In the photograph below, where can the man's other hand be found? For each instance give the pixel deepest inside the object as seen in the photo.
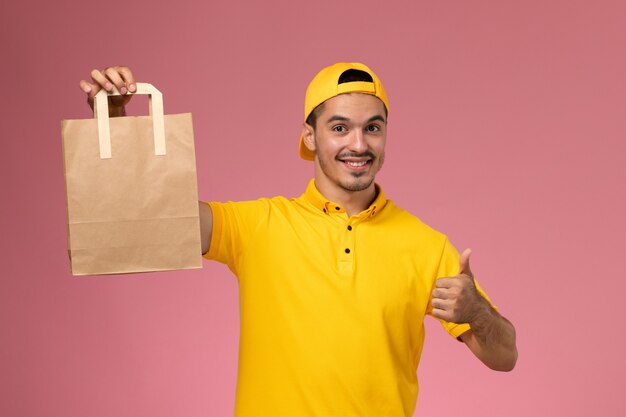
(456, 299)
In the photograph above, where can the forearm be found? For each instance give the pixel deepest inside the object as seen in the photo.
(492, 339)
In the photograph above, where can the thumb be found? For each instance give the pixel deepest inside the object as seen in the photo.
(464, 263)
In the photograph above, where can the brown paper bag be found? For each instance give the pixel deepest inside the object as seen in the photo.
(132, 202)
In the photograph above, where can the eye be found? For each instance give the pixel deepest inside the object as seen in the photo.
(373, 128)
(339, 128)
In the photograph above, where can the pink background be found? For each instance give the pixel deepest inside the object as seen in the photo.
(507, 132)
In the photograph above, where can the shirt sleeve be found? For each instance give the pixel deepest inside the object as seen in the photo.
(449, 267)
(234, 223)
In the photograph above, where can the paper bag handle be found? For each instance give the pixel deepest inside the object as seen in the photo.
(101, 113)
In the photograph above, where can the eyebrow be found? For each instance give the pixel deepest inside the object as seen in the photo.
(378, 117)
(340, 118)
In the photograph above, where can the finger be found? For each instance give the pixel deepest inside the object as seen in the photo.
(129, 79)
(444, 282)
(100, 79)
(90, 89)
(464, 263)
(86, 86)
(115, 77)
(441, 293)
(440, 304)
(441, 314)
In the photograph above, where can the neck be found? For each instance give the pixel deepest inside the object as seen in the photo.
(353, 202)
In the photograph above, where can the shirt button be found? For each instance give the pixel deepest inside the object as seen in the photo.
(324, 210)
(337, 208)
(349, 227)
(347, 250)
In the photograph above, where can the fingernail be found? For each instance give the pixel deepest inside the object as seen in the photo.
(87, 89)
(132, 88)
(108, 86)
(123, 90)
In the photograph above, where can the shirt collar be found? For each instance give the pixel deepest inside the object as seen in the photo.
(313, 196)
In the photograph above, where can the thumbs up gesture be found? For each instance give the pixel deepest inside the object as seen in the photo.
(455, 299)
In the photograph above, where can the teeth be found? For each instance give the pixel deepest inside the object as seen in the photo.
(356, 164)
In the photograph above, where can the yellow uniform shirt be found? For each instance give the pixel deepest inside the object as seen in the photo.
(332, 307)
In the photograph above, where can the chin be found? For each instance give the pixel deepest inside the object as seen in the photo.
(359, 185)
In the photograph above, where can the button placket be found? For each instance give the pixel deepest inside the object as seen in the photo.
(347, 249)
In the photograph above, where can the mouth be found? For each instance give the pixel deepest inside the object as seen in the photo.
(356, 163)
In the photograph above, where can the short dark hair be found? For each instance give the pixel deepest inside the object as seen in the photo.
(347, 76)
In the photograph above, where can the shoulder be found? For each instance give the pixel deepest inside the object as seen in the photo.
(263, 201)
(394, 216)
(257, 207)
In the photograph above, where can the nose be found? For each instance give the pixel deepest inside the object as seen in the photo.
(357, 142)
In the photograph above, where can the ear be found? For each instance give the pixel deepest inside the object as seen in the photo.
(308, 136)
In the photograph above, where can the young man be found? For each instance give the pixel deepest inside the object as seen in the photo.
(335, 284)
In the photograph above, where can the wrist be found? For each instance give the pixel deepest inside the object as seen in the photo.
(483, 315)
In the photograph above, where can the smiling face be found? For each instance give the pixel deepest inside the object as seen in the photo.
(349, 144)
